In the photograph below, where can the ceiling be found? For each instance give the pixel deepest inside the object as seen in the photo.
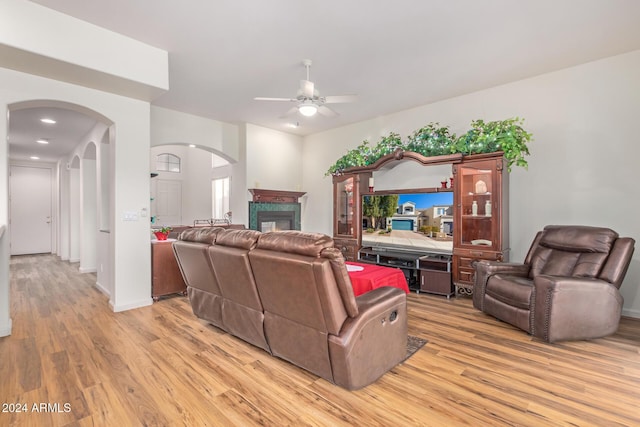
(25, 129)
(393, 55)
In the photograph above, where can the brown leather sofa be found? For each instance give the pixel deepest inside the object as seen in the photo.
(289, 293)
(567, 287)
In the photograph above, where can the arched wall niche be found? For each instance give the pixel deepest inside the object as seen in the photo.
(90, 151)
(75, 162)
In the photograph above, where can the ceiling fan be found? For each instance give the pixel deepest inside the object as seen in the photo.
(308, 99)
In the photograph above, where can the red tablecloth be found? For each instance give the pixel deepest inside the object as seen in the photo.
(375, 276)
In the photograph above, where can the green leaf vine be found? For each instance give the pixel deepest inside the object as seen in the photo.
(435, 140)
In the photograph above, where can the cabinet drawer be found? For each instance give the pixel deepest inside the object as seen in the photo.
(464, 262)
(465, 275)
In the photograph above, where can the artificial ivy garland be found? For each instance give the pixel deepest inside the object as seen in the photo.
(435, 140)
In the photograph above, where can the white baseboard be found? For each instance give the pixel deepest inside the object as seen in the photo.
(130, 306)
(87, 270)
(74, 260)
(5, 328)
(631, 313)
(103, 289)
(64, 258)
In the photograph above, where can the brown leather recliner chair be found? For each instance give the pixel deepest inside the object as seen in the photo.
(567, 287)
(202, 285)
(242, 312)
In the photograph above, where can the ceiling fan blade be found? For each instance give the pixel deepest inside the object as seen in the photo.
(326, 111)
(292, 110)
(340, 99)
(259, 98)
(307, 88)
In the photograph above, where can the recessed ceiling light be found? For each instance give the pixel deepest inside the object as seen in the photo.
(42, 141)
(34, 158)
(48, 121)
(192, 145)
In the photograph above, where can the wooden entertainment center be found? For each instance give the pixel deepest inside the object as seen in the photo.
(480, 220)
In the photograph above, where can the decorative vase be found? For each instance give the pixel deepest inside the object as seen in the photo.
(443, 184)
(474, 208)
(481, 187)
(487, 208)
(160, 235)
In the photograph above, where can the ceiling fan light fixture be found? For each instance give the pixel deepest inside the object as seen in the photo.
(308, 109)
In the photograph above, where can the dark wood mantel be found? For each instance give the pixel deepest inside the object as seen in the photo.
(275, 196)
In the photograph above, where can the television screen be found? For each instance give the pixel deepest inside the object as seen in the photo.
(417, 220)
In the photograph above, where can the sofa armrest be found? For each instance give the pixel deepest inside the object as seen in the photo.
(372, 342)
(570, 308)
(486, 269)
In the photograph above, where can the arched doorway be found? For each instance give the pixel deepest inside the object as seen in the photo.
(69, 139)
(190, 184)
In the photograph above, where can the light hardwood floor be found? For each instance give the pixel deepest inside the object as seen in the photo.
(159, 365)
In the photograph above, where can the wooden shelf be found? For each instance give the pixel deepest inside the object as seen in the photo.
(276, 196)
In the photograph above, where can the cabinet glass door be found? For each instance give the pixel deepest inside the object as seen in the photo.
(344, 207)
(477, 206)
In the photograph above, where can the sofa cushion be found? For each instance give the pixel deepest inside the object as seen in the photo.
(555, 262)
(241, 239)
(295, 242)
(200, 235)
(578, 238)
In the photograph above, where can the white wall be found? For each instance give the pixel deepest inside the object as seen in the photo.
(238, 191)
(74, 214)
(196, 190)
(104, 183)
(103, 255)
(63, 223)
(173, 127)
(583, 159)
(273, 159)
(410, 174)
(88, 215)
(272, 163)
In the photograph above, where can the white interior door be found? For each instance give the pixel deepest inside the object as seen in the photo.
(169, 202)
(30, 210)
